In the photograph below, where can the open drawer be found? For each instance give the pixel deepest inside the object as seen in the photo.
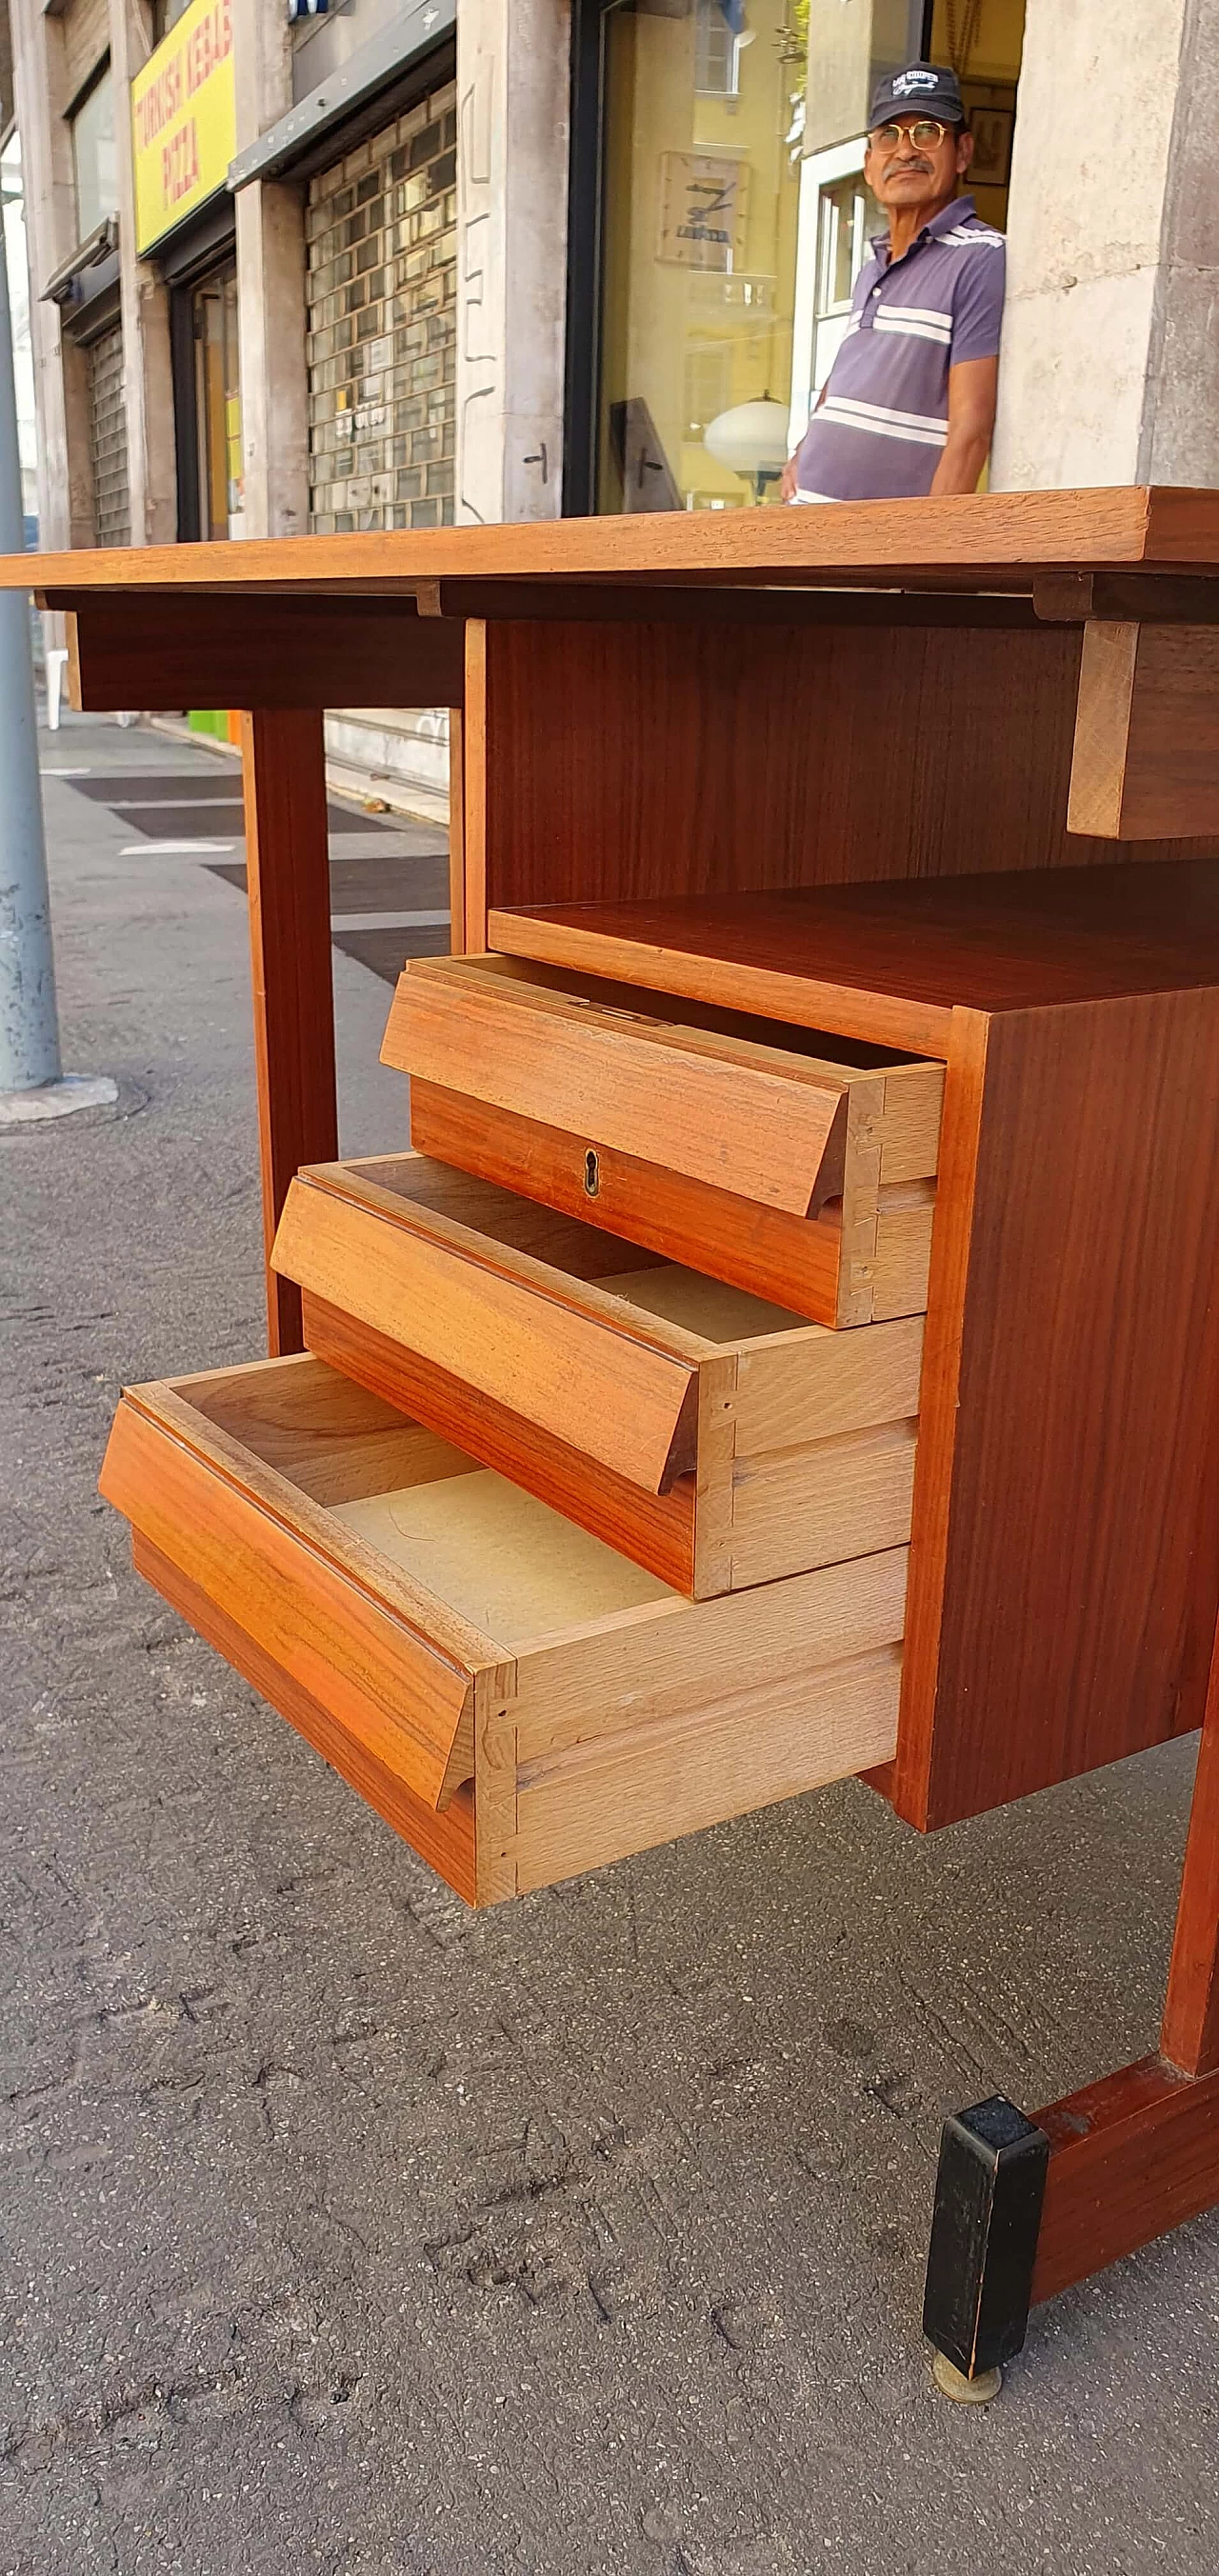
(798, 1167)
(718, 1440)
(517, 1700)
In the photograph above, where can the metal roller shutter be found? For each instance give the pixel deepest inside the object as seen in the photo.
(382, 319)
(108, 427)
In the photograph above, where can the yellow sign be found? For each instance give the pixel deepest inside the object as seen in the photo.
(184, 120)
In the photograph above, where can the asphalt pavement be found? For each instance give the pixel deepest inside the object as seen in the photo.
(343, 2230)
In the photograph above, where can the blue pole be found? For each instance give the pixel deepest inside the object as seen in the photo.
(29, 1024)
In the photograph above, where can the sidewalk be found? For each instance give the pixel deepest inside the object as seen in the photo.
(371, 787)
(347, 2232)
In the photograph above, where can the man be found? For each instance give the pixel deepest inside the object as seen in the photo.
(909, 403)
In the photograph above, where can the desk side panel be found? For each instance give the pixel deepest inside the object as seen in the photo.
(1065, 1557)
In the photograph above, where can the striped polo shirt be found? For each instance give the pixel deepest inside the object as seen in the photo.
(878, 432)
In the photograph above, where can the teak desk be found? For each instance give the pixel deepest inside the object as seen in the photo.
(817, 1207)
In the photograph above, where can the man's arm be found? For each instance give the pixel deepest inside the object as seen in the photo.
(788, 481)
(972, 394)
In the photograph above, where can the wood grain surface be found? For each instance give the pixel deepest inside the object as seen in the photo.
(894, 961)
(595, 1802)
(285, 653)
(571, 1358)
(317, 1428)
(638, 762)
(1065, 1553)
(288, 885)
(1146, 759)
(1190, 2033)
(795, 1261)
(657, 1530)
(974, 536)
(685, 1656)
(816, 1459)
(762, 1122)
(1176, 599)
(254, 1546)
(1130, 2157)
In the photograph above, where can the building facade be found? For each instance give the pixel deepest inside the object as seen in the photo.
(348, 264)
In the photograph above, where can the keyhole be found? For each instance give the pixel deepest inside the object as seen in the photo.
(592, 1174)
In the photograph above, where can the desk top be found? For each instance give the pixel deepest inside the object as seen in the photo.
(983, 541)
(893, 960)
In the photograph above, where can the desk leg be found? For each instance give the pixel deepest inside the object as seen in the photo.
(1110, 2167)
(288, 877)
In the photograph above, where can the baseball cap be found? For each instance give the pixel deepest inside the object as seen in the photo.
(928, 87)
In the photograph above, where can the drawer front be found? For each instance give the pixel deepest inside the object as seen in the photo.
(656, 1530)
(634, 1717)
(792, 1446)
(545, 1346)
(758, 1121)
(386, 1667)
(444, 1838)
(800, 1466)
(879, 1269)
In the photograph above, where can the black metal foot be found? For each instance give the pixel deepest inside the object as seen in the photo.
(984, 2228)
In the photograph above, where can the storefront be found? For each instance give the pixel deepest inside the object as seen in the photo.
(200, 269)
(184, 137)
(719, 219)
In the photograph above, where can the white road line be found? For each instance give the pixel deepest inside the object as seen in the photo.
(174, 849)
(390, 920)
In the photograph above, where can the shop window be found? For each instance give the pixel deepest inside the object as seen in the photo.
(218, 405)
(701, 206)
(94, 164)
(720, 218)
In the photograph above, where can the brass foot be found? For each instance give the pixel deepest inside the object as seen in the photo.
(952, 2382)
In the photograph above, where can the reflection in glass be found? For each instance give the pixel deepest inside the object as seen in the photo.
(218, 406)
(93, 157)
(702, 189)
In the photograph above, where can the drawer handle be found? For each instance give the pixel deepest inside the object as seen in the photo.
(592, 1174)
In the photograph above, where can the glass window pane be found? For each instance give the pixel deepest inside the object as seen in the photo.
(702, 200)
(93, 157)
(218, 405)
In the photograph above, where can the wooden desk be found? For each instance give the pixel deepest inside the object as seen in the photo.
(925, 786)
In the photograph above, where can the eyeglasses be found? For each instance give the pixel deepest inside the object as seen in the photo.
(926, 135)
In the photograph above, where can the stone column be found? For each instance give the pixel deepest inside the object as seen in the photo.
(513, 77)
(147, 373)
(849, 42)
(270, 289)
(1110, 365)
